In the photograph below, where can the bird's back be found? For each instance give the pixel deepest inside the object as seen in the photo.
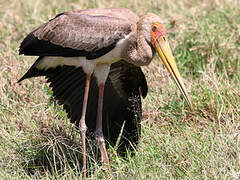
(122, 13)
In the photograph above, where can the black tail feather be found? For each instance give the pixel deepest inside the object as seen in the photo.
(33, 71)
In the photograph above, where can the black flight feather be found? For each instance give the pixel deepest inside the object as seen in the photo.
(122, 98)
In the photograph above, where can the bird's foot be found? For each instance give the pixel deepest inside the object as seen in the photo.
(102, 147)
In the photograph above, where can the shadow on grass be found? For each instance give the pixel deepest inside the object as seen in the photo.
(56, 151)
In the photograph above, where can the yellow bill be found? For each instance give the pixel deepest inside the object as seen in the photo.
(165, 53)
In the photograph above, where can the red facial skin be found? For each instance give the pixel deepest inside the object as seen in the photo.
(157, 30)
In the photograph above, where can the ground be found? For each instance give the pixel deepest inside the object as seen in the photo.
(37, 141)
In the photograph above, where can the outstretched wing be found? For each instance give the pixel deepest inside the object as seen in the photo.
(122, 98)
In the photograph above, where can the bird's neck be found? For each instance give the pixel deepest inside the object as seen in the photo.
(140, 52)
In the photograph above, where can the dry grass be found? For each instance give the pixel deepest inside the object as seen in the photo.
(37, 141)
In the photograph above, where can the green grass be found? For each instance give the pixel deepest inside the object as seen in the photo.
(37, 141)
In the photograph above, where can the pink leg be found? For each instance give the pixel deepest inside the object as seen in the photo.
(98, 130)
(83, 127)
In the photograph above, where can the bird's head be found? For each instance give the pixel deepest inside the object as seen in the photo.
(155, 34)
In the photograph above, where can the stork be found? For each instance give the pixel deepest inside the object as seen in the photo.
(83, 51)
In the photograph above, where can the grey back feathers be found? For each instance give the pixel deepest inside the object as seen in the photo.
(85, 30)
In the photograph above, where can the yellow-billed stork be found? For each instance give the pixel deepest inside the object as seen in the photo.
(100, 49)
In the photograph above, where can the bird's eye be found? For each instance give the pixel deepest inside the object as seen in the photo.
(154, 28)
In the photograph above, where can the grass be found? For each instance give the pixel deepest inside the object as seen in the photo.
(38, 142)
